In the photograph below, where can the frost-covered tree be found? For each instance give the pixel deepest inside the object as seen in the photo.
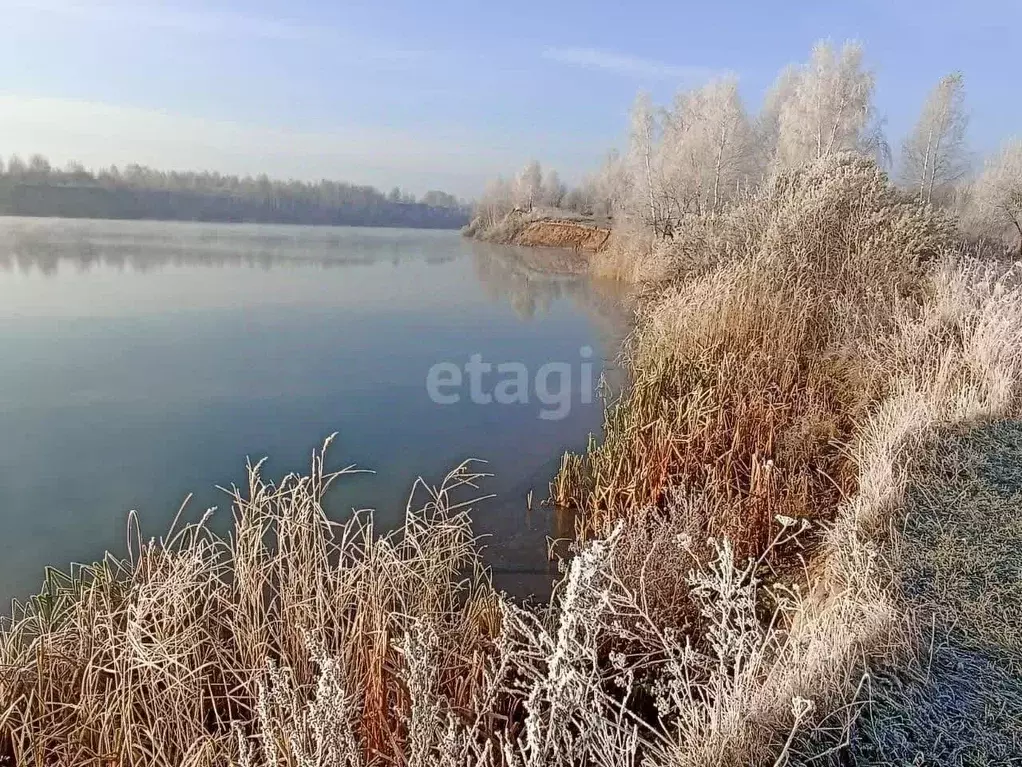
(611, 185)
(528, 187)
(643, 164)
(768, 122)
(707, 148)
(689, 159)
(498, 198)
(553, 190)
(997, 195)
(825, 107)
(934, 155)
(603, 192)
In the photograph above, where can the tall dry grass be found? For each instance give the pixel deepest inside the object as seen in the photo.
(298, 641)
(157, 659)
(793, 369)
(745, 381)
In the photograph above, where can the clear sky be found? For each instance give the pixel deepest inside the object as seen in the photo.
(444, 94)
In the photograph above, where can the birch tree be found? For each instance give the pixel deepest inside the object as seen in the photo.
(610, 187)
(528, 185)
(934, 154)
(828, 107)
(497, 200)
(768, 122)
(643, 138)
(707, 147)
(997, 196)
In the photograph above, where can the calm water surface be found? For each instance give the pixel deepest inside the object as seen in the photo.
(140, 362)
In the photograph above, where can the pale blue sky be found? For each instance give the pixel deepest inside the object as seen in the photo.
(443, 94)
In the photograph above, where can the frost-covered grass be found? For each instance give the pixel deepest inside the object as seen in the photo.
(959, 701)
(747, 376)
(746, 592)
(196, 639)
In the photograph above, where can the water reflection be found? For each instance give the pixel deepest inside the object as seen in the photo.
(140, 362)
(507, 275)
(47, 245)
(530, 280)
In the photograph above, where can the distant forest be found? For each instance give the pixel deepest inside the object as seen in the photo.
(36, 188)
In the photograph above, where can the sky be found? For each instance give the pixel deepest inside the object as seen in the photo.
(444, 95)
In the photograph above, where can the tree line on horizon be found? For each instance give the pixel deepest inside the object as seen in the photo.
(706, 150)
(37, 188)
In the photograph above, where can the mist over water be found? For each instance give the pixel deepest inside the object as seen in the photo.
(143, 361)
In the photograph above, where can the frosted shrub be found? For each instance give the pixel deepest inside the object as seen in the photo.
(309, 733)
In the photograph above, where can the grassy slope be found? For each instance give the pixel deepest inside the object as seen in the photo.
(960, 701)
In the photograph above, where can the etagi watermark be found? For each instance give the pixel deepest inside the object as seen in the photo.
(510, 383)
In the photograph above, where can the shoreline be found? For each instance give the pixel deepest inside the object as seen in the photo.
(544, 229)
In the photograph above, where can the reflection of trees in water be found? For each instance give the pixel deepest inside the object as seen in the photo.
(505, 277)
(45, 246)
(531, 280)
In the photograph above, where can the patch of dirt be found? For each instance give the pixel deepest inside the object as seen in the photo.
(586, 238)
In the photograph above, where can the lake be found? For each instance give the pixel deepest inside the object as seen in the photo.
(143, 361)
